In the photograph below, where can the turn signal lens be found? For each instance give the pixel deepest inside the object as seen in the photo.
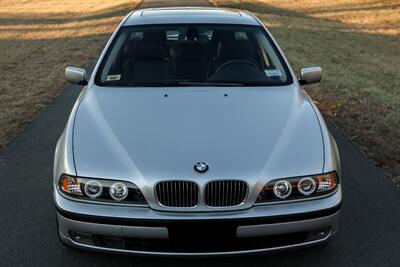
(326, 182)
(71, 185)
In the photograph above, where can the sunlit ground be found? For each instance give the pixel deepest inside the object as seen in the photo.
(370, 16)
(38, 39)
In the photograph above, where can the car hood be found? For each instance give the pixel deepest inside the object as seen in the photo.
(144, 134)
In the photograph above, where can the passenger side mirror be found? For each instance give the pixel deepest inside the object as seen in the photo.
(310, 75)
(76, 75)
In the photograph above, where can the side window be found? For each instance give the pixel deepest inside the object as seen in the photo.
(107, 71)
(273, 66)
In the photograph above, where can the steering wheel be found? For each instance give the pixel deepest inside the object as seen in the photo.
(236, 61)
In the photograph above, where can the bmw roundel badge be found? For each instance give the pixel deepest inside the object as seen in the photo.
(201, 167)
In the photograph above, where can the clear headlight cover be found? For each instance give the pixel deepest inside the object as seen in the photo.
(110, 191)
(298, 188)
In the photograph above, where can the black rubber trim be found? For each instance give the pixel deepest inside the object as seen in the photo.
(165, 223)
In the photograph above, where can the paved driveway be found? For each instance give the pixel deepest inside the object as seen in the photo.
(369, 232)
(166, 3)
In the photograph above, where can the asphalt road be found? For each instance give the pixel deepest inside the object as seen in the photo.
(369, 233)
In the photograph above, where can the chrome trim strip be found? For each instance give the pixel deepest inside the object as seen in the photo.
(288, 227)
(67, 225)
(227, 253)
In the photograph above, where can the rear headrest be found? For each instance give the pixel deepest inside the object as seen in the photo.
(223, 36)
(147, 47)
(129, 49)
(188, 50)
(154, 36)
(237, 49)
(147, 50)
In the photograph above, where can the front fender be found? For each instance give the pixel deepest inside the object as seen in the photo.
(64, 153)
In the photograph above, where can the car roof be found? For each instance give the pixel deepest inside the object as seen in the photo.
(178, 15)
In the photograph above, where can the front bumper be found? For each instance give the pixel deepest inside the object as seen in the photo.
(140, 230)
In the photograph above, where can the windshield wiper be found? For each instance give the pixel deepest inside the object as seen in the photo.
(141, 84)
(246, 83)
(172, 83)
(200, 83)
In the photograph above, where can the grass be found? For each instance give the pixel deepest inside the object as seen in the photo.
(357, 44)
(38, 39)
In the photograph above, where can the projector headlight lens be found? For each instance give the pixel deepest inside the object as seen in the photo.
(282, 189)
(298, 188)
(118, 191)
(306, 186)
(93, 189)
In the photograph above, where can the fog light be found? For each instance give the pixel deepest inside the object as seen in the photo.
(118, 191)
(82, 238)
(318, 234)
(93, 189)
(282, 189)
(306, 186)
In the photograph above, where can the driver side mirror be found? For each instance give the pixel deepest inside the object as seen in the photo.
(310, 75)
(76, 75)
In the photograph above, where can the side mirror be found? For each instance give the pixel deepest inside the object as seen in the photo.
(310, 75)
(76, 75)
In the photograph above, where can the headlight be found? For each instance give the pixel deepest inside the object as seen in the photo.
(306, 186)
(101, 190)
(282, 189)
(118, 191)
(93, 189)
(298, 188)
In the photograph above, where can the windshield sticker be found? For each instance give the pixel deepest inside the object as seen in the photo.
(114, 77)
(273, 73)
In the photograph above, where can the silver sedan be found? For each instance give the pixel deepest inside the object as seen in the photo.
(193, 136)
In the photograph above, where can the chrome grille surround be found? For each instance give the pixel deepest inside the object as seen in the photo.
(225, 193)
(177, 193)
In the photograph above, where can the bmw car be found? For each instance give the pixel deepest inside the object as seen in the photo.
(193, 136)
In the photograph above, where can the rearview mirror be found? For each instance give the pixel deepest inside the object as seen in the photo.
(76, 75)
(310, 75)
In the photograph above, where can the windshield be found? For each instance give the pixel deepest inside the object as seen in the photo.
(199, 54)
